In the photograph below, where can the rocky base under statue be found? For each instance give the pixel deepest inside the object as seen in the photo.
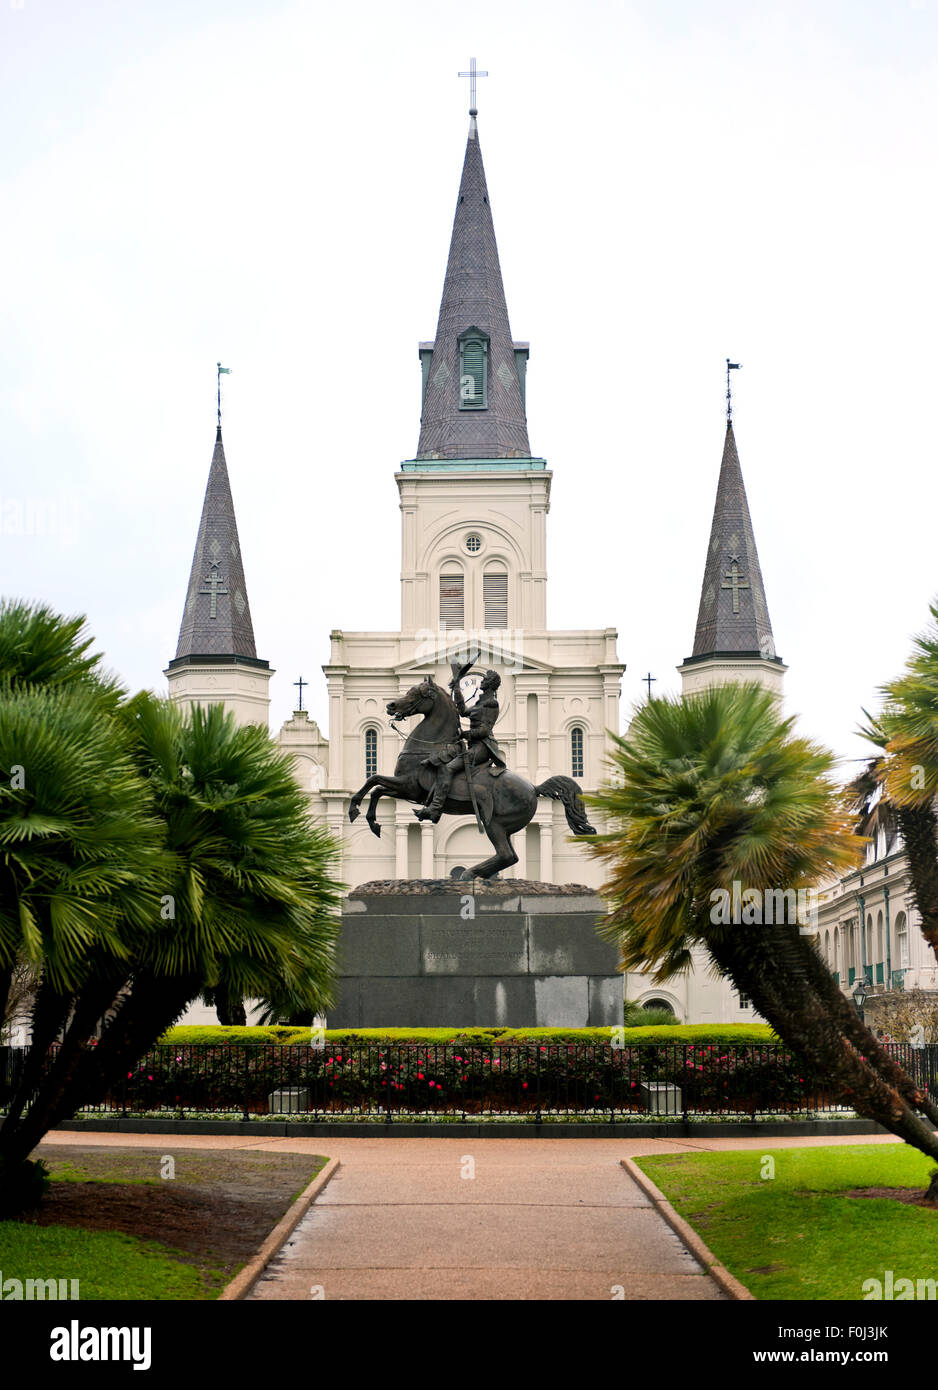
(442, 953)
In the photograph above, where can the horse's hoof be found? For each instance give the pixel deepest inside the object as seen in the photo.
(353, 813)
(375, 828)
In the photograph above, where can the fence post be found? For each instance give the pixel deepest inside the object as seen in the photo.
(387, 1087)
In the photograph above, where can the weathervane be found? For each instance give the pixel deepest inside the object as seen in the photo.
(472, 75)
(730, 367)
(227, 371)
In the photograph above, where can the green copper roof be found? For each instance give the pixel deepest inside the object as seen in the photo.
(526, 465)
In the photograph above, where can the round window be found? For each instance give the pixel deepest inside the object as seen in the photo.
(473, 543)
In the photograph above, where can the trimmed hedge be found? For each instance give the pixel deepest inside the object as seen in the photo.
(725, 1034)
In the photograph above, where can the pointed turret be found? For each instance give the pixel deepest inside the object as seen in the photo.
(216, 620)
(733, 640)
(473, 373)
(216, 660)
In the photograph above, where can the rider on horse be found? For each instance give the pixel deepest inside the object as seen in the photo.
(482, 747)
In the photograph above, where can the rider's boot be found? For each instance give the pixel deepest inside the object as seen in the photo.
(434, 810)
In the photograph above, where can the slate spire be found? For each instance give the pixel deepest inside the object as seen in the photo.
(733, 618)
(216, 620)
(473, 298)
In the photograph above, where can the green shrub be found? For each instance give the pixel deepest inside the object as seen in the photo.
(23, 1184)
(726, 1033)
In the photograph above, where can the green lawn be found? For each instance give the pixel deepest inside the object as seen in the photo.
(233, 1201)
(798, 1235)
(107, 1265)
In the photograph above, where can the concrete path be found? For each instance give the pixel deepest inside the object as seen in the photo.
(478, 1218)
(483, 1219)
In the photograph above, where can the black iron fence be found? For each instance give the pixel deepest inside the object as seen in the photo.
(467, 1081)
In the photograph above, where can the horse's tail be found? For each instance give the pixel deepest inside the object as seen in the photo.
(564, 789)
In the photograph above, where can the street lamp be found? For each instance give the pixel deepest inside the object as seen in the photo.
(859, 996)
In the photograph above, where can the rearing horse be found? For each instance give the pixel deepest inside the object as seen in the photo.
(506, 803)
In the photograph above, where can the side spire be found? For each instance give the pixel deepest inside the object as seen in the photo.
(216, 620)
(733, 639)
(473, 398)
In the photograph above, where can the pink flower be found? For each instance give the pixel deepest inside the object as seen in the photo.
(420, 1076)
(524, 1085)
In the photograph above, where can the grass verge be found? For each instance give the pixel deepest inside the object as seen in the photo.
(799, 1234)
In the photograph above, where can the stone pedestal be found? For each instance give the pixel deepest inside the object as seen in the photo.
(440, 953)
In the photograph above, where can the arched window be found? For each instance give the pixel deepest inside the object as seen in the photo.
(452, 600)
(495, 599)
(902, 942)
(576, 752)
(371, 752)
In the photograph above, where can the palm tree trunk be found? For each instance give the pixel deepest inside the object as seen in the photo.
(87, 1073)
(776, 971)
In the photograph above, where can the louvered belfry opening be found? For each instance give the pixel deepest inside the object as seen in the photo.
(495, 599)
(452, 600)
(472, 377)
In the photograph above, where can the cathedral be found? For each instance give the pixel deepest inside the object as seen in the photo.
(473, 502)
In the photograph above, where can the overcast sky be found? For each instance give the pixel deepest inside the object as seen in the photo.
(273, 184)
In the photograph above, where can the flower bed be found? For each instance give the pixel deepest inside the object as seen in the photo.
(470, 1079)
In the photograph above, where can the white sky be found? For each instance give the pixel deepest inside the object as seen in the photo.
(273, 184)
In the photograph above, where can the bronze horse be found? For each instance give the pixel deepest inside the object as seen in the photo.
(506, 802)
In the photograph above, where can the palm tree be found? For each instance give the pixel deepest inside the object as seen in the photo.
(145, 857)
(717, 789)
(899, 787)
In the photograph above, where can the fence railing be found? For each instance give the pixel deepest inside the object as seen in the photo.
(540, 1081)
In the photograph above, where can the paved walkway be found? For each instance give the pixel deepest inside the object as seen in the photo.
(478, 1218)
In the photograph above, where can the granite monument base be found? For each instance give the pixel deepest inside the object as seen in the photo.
(423, 953)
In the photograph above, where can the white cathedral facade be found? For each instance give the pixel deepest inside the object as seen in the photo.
(474, 503)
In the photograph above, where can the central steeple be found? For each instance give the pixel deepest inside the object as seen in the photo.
(473, 373)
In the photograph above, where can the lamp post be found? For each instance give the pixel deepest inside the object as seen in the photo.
(859, 996)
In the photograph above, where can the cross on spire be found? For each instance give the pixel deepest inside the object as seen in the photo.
(647, 680)
(300, 683)
(734, 581)
(472, 74)
(213, 580)
(730, 367)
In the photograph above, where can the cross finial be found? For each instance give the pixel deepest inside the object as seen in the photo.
(647, 680)
(472, 74)
(730, 367)
(300, 683)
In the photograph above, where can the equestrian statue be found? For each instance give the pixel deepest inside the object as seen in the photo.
(456, 772)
